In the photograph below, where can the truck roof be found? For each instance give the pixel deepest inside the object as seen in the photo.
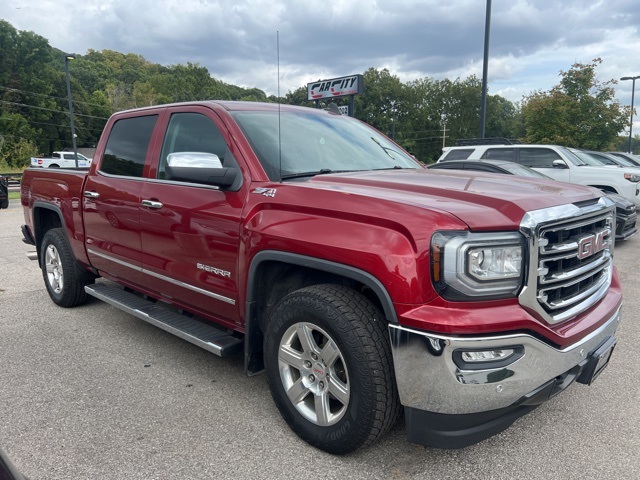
(232, 105)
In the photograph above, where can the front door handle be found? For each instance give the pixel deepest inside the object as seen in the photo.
(89, 194)
(151, 204)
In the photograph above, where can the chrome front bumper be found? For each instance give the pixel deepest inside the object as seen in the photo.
(429, 380)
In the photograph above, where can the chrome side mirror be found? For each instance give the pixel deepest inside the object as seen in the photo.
(201, 167)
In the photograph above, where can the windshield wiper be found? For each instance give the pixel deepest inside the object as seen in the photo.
(395, 167)
(323, 171)
(386, 149)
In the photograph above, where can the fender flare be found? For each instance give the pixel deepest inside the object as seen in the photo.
(37, 227)
(326, 266)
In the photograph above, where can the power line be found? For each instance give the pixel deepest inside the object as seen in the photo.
(51, 110)
(29, 139)
(59, 125)
(423, 131)
(50, 96)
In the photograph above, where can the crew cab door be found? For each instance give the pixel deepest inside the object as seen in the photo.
(111, 199)
(190, 232)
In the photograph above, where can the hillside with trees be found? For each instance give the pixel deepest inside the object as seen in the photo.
(421, 115)
(34, 113)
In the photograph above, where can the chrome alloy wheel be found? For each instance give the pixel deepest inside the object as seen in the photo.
(53, 265)
(314, 374)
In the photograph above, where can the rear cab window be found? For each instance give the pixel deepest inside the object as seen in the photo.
(126, 149)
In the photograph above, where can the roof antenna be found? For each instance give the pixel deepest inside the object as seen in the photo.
(279, 134)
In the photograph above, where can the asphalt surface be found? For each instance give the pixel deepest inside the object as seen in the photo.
(93, 393)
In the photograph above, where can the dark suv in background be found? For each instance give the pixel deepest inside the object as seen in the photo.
(4, 192)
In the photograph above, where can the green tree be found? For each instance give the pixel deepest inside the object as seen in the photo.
(504, 118)
(622, 144)
(297, 97)
(580, 111)
(16, 144)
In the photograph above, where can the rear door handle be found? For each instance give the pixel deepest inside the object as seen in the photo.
(89, 194)
(151, 204)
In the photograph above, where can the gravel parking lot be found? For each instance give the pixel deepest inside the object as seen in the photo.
(92, 393)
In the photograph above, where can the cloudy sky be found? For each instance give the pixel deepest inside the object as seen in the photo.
(531, 40)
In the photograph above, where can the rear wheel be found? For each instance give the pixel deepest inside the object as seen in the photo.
(329, 368)
(64, 280)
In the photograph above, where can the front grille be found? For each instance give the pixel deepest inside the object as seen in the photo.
(570, 259)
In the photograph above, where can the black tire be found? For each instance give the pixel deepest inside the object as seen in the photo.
(54, 165)
(64, 280)
(345, 400)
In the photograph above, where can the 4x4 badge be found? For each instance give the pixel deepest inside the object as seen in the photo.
(267, 192)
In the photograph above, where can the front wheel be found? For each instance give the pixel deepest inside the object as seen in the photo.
(64, 280)
(329, 368)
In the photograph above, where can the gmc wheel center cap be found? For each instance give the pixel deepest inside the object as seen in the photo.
(319, 370)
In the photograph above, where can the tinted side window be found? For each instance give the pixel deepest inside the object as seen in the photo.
(127, 146)
(461, 154)
(191, 132)
(501, 154)
(538, 157)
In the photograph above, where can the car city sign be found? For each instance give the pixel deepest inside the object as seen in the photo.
(335, 87)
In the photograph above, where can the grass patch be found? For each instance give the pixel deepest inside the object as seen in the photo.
(14, 195)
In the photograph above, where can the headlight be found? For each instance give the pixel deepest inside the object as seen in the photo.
(482, 266)
(632, 177)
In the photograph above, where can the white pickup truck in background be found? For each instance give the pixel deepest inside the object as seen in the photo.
(61, 160)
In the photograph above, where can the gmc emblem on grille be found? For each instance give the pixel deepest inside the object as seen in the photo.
(591, 245)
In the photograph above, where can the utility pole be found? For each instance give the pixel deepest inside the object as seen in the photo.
(633, 92)
(67, 59)
(485, 68)
(444, 134)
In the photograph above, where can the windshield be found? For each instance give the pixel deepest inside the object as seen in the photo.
(571, 155)
(605, 159)
(634, 160)
(588, 159)
(308, 143)
(624, 161)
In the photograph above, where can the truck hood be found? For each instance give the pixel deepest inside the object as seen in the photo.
(481, 200)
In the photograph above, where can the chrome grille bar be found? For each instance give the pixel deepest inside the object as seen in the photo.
(571, 258)
(567, 275)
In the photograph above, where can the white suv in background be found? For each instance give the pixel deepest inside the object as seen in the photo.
(556, 162)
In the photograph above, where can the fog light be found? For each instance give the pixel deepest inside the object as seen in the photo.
(487, 356)
(487, 359)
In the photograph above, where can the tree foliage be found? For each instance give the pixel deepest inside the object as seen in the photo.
(622, 144)
(34, 112)
(580, 111)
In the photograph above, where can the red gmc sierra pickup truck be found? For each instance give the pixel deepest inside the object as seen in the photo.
(360, 282)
